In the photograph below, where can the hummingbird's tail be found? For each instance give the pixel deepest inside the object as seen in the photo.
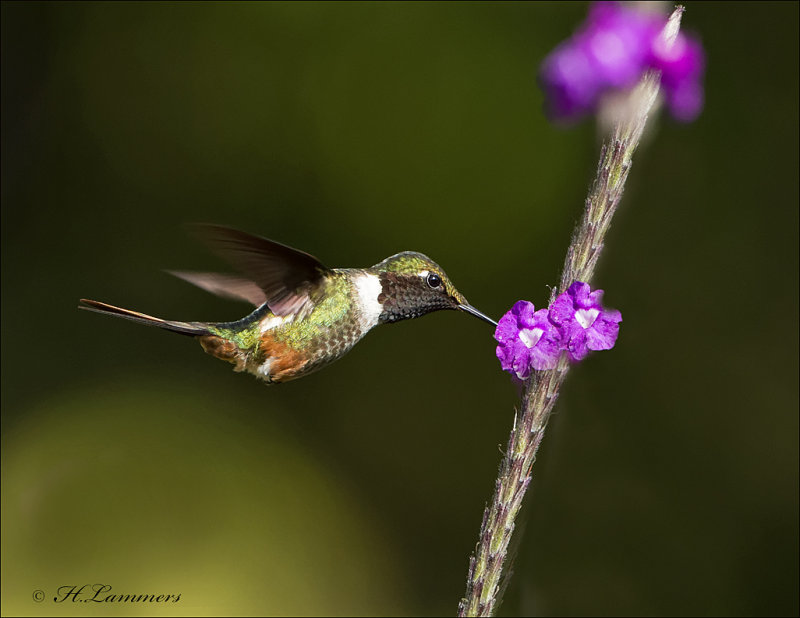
(193, 329)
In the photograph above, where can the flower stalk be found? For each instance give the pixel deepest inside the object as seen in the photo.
(541, 389)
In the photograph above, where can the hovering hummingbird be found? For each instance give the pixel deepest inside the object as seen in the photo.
(307, 315)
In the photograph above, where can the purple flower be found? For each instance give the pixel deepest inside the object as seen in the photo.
(610, 52)
(618, 41)
(527, 340)
(583, 322)
(575, 323)
(682, 68)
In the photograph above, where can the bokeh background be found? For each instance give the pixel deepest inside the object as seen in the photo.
(668, 479)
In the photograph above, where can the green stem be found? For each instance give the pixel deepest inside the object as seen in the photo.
(542, 388)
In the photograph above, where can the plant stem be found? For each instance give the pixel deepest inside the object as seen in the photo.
(542, 388)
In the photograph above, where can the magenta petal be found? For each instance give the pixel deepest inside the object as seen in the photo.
(540, 319)
(505, 356)
(604, 331)
(506, 328)
(570, 82)
(520, 306)
(618, 42)
(541, 360)
(682, 66)
(577, 348)
(521, 363)
(578, 288)
(582, 294)
(545, 354)
(526, 314)
(683, 60)
(603, 12)
(594, 300)
(562, 311)
(685, 102)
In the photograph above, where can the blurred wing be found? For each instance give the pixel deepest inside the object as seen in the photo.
(289, 278)
(226, 286)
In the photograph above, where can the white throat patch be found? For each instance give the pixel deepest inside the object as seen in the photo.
(368, 287)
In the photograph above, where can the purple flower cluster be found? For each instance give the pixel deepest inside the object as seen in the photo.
(575, 323)
(610, 52)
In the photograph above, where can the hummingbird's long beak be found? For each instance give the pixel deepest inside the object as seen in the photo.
(473, 311)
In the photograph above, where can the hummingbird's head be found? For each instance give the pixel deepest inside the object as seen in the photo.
(412, 285)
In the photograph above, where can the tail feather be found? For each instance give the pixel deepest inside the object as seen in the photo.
(193, 329)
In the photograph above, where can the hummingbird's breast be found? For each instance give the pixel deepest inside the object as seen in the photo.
(289, 347)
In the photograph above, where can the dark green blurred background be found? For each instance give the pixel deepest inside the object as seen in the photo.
(668, 481)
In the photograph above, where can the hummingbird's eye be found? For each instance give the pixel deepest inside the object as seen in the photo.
(434, 280)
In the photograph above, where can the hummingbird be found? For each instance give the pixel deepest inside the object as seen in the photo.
(306, 315)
